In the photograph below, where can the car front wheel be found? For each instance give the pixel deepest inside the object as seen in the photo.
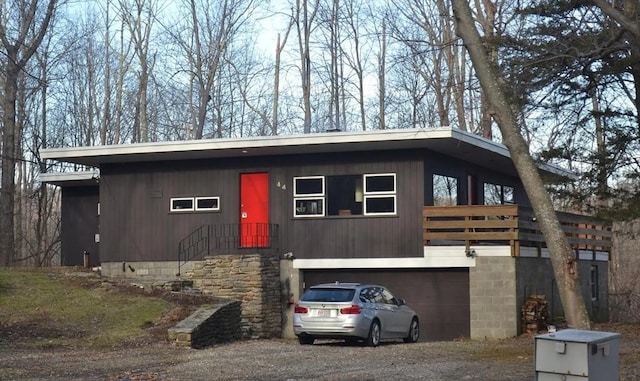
(414, 331)
(373, 340)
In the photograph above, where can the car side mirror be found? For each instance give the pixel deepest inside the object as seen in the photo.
(401, 302)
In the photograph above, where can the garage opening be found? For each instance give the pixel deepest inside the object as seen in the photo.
(440, 297)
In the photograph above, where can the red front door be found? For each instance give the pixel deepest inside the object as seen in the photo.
(254, 210)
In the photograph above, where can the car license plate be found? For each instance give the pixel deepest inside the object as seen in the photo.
(323, 313)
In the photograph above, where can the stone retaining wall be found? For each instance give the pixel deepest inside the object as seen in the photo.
(207, 326)
(253, 279)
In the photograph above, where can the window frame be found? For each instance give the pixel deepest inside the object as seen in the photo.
(322, 197)
(213, 209)
(181, 210)
(377, 194)
(309, 197)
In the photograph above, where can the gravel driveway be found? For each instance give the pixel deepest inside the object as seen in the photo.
(285, 359)
(274, 360)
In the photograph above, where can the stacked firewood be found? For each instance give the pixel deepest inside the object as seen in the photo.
(535, 315)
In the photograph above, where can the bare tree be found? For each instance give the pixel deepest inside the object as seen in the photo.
(562, 258)
(335, 77)
(204, 36)
(254, 93)
(42, 220)
(304, 16)
(139, 16)
(382, 65)
(21, 32)
(356, 57)
(276, 78)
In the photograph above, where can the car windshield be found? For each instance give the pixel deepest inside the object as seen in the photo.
(328, 295)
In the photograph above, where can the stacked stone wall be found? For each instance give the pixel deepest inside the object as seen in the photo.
(254, 280)
(207, 326)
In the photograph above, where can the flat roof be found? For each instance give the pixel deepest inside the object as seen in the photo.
(79, 178)
(446, 140)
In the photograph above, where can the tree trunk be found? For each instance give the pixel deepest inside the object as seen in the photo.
(7, 185)
(276, 89)
(17, 53)
(304, 34)
(564, 261)
(382, 59)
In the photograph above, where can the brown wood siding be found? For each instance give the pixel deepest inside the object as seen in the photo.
(137, 224)
(360, 236)
(79, 225)
(440, 297)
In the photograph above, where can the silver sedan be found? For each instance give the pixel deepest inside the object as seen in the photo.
(354, 312)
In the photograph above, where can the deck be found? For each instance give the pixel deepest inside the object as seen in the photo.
(512, 225)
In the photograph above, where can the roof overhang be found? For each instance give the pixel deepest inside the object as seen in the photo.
(71, 179)
(445, 140)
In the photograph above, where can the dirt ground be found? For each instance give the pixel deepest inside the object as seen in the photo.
(152, 358)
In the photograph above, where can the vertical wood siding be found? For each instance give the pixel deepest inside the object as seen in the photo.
(79, 225)
(137, 225)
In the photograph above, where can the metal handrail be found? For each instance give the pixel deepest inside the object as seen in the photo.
(220, 239)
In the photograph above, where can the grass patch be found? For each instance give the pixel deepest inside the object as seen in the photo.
(46, 310)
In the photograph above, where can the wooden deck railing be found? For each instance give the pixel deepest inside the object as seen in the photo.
(512, 225)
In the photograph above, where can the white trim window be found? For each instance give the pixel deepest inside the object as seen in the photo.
(204, 204)
(308, 196)
(182, 204)
(380, 194)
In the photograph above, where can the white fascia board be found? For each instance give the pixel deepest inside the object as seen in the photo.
(280, 144)
(52, 177)
(247, 143)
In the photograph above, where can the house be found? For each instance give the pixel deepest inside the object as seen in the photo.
(438, 215)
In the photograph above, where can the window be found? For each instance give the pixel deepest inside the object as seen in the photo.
(445, 190)
(380, 194)
(508, 195)
(207, 203)
(595, 284)
(308, 196)
(372, 295)
(328, 295)
(183, 204)
(389, 298)
(344, 195)
(495, 194)
(190, 204)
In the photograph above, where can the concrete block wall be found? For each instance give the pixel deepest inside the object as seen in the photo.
(253, 279)
(536, 276)
(147, 269)
(492, 291)
(290, 283)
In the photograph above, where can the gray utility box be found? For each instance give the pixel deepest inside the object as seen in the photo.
(577, 355)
